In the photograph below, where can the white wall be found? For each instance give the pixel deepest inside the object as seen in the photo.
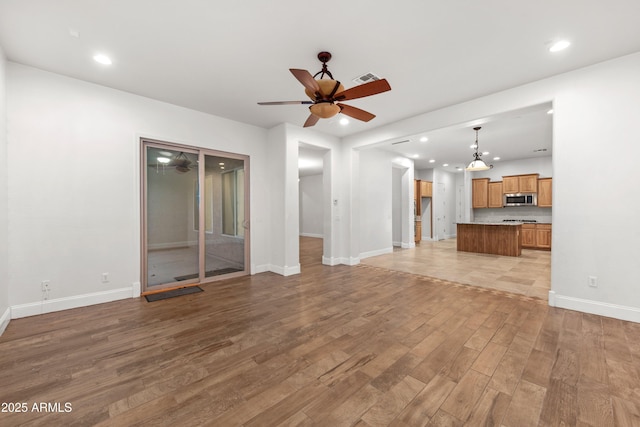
(595, 119)
(539, 165)
(311, 206)
(5, 312)
(396, 206)
(444, 205)
(375, 202)
(74, 184)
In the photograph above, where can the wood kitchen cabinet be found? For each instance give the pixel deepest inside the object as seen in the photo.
(480, 193)
(416, 197)
(426, 189)
(520, 184)
(495, 194)
(536, 236)
(543, 236)
(544, 192)
(529, 236)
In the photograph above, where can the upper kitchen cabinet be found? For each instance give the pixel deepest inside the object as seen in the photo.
(495, 194)
(544, 192)
(480, 192)
(426, 189)
(520, 184)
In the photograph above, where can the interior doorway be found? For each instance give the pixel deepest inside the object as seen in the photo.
(194, 215)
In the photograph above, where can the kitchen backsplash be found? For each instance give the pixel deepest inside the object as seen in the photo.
(515, 212)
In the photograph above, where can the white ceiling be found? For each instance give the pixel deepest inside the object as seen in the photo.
(224, 57)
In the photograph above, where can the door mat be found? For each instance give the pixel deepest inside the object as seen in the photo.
(207, 274)
(174, 293)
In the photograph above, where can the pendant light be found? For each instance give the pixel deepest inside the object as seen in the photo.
(477, 164)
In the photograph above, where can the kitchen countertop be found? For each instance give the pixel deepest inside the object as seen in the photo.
(492, 223)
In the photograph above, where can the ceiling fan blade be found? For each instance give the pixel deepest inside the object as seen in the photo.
(356, 113)
(307, 80)
(285, 103)
(311, 120)
(367, 89)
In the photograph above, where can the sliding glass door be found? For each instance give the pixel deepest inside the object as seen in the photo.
(194, 208)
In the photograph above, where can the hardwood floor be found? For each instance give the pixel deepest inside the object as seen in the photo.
(332, 346)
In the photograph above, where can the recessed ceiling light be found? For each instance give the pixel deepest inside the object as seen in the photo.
(344, 121)
(484, 153)
(165, 153)
(415, 156)
(496, 158)
(102, 59)
(432, 161)
(550, 111)
(445, 165)
(163, 160)
(221, 164)
(559, 45)
(473, 146)
(424, 139)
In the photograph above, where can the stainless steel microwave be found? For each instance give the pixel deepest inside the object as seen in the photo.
(520, 199)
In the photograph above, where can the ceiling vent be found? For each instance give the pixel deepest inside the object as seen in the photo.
(400, 142)
(538, 150)
(366, 78)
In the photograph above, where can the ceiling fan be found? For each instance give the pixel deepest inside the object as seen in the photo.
(327, 94)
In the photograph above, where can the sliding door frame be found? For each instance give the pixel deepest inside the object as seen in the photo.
(201, 153)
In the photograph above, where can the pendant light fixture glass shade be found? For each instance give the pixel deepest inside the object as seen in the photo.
(477, 164)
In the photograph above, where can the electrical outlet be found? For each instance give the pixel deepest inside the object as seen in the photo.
(593, 281)
(105, 277)
(46, 285)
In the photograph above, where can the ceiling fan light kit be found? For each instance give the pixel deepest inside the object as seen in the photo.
(326, 94)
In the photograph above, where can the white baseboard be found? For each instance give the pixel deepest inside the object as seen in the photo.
(4, 320)
(319, 236)
(59, 304)
(409, 245)
(261, 268)
(340, 260)
(330, 261)
(631, 314)
(286, 270)
(376, 252)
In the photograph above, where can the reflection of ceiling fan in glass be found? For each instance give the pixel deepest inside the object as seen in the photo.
(180, 163)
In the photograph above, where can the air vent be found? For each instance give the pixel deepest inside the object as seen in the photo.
(366, 78)
(400, 142)
(539, 150)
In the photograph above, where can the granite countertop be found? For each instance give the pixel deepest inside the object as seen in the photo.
(491, 223)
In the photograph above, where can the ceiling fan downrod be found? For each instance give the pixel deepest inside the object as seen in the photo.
(324, 57)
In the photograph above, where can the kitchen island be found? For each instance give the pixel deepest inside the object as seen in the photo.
(490, 238)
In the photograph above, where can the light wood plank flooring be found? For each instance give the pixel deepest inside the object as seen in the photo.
(528, 274)
(333, 346)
